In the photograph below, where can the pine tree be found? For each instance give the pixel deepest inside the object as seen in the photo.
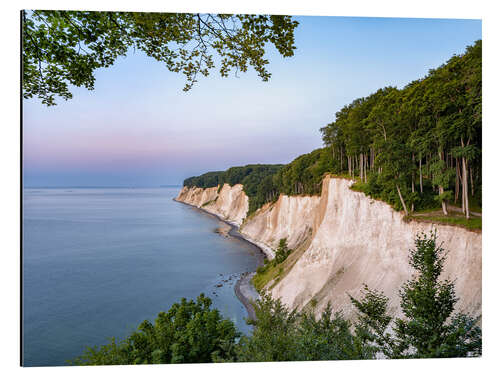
(282, 252)
(428, 330)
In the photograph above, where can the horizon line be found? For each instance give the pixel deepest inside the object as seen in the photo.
(100, 186)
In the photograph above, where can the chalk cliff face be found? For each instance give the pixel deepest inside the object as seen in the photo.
(351, 240)
(358, 240)
(292, 218)
(230, 203)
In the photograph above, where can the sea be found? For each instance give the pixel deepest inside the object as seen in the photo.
(96, 262)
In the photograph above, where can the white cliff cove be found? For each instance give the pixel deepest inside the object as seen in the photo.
(346, 239)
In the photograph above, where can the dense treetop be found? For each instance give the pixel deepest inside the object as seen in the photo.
(420, 142)
(62, 48)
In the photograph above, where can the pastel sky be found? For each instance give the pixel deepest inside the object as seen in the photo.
(138, 128)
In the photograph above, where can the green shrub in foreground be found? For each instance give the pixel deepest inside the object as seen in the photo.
(190, 332)
(281, 334)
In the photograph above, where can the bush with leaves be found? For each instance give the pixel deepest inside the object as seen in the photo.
(428, 330)
(282, 252)
(281, 334)
(190, 332)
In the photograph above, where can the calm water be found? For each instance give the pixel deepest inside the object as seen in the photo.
(97, 262)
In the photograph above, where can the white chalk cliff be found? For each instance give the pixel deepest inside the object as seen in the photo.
(349, 239)
(229, 204)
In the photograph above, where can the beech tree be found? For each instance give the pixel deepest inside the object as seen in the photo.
(395, 161)
(464, 114)
(431, 127)
(62, 48)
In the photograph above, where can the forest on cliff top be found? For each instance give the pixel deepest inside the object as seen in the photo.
(416, 148)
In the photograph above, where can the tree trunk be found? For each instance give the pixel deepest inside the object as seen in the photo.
(465, 190)
(471, 182)
(402, 200)
(412, 182)
(460, 181)
(421, 178)
(341, 159)
(366, 166)
(443, 202)
(457, 180)
(463, 197)
(441, 188)
(361, 167)
(413, 174)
